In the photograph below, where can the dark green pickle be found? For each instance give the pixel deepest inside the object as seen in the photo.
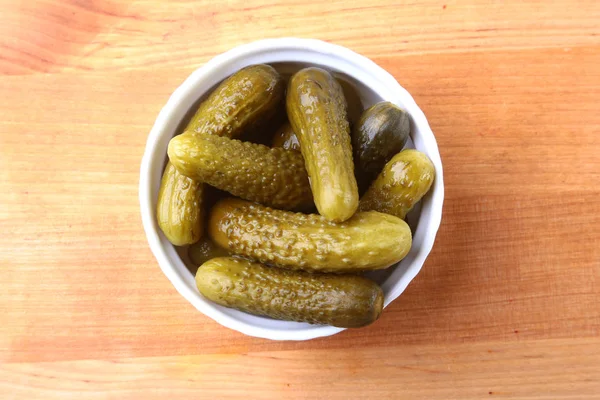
(345, 301)
(381, 132)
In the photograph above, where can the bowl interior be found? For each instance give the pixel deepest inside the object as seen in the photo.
(363, 87)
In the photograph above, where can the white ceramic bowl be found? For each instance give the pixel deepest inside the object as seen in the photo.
(287, 54)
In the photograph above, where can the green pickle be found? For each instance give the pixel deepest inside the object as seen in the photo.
(367, 241)
(245, 99)
(405, 179)
(346, 301)
(381, 132)
(178, 210)
(316, 109)
(276, 177)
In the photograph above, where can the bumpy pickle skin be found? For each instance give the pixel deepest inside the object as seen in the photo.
(275, 177)
(241, 101)
(381, 132)
(178, 210)
(346, 301)
(310, 242)
(316, 109)
(405, 179)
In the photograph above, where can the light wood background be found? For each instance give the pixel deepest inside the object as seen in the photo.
(507, 305)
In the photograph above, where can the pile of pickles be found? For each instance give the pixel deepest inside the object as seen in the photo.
(302, 218)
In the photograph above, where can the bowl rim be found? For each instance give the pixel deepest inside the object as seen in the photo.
(237, 54)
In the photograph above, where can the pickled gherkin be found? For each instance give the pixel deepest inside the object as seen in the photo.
(405, 179)
(346, 301)
(381, 133)
(275, 177)
(367, 241)
(316, 109)
(242, 101)
(178, 210)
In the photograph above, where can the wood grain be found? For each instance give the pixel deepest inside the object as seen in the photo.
(490, 370)
(92, 35)
(506, 305)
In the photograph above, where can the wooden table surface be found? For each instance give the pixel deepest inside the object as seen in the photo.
(506, 306)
